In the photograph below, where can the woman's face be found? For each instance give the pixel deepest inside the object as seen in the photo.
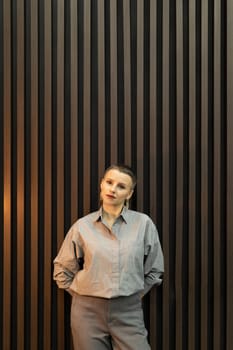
(116, 188)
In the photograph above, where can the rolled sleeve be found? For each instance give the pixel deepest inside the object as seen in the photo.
(66, 263)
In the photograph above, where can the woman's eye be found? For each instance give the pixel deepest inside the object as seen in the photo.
(121, 187)
(108, 182)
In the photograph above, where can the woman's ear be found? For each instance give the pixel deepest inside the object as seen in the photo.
(130, 194)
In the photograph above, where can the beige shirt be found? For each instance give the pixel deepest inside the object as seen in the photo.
(96, 261)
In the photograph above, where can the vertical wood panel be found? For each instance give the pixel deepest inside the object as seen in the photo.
(20, 174)
(127, 80)
(113, 81)
(192, 339)
(154, 318)
(153, 106)
(217, 177)
(172, 121)
(86, 102)
(74, 110)
(179, 184)
(229, 238)
(47, 172)
(34, 176)
(60, 155)
(7, 175)
(101, 89)
(140, 98)
(204, 176)
(165, 175)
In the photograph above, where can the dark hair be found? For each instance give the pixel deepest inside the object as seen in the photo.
(122, 168)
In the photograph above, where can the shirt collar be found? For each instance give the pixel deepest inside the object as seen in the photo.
(99, 214)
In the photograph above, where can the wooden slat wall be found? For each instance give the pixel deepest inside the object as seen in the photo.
(33, 176)
(83, 84)
(229, 185)
(6, 179)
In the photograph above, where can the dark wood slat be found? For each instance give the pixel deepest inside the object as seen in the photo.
(229, 238)
(127, 80)
(153, 153)
(113, 81)
(204, 177)
(153, 108)
(217, 177)
(74, 110)
(165, 176)
(47, 172)
(86, 115)
(180, 180)
(192, 179)
(101, 90)
(20, 175)
(34, 176)
(140, 105)
(60, 157)
(7, 175)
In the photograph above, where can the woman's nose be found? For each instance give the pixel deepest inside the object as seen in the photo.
(113, 188)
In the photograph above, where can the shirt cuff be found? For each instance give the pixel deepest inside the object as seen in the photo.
(147, 286)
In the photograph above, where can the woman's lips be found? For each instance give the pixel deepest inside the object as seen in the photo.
(110, 196)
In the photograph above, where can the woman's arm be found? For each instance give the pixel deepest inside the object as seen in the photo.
(154, 261)
(66, 263)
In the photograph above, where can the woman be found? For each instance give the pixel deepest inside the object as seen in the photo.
(110, 259)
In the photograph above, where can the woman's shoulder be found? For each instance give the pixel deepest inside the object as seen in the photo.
(138, 214)
(87, 218)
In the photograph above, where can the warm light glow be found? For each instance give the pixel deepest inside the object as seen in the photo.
(6, 205)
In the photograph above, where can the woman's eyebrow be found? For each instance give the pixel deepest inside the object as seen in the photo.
(123, 184)
(108, 178)
(119, 183)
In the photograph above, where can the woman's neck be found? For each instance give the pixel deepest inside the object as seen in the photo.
(111, 212)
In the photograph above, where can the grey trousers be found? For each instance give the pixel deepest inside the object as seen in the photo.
(107, 324)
